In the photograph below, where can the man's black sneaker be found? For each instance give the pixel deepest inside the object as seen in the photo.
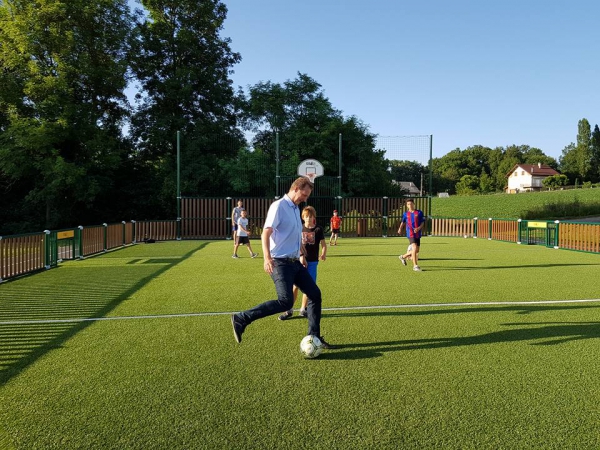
(286, 315)
(238, 328)
(326, 345)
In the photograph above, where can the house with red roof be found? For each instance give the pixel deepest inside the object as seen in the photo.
(528, 177)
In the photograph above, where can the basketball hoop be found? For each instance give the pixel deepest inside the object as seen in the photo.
(311, 169)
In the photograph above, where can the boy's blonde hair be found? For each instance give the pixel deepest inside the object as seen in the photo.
(309, 211)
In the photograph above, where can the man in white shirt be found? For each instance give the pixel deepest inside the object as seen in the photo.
(285, 262)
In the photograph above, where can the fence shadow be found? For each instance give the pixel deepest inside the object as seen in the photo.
(41, 313)
(539, 334)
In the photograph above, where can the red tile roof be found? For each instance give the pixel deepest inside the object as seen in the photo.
(535, 170)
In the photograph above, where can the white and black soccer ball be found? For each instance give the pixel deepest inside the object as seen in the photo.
(311, 346)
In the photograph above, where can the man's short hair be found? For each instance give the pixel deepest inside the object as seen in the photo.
(301, 183)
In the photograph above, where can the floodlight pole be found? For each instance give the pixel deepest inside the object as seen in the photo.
(178, 186)
(430, 171)
(340, 167)
(277, 165)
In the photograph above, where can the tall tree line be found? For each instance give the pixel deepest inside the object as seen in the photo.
(74, 150)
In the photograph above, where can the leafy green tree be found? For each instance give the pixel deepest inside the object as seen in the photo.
(576, 159)
(486, 184)
(468, 185)
(181, 64)
(595, 159)
(555, 181)
(309, 127)
(62, 105)
(407, 171)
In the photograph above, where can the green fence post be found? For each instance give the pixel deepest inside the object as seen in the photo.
(557, 222)
(123, 222)
(80, 228)
(384, 224)
(133, 237)
(474, 227)
(490, 229)
(47, 245)
(519, 231)
(105, 235)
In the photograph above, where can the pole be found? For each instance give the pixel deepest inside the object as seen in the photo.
(277, 165)
(178, 186)
(340, 167)
(430, 170)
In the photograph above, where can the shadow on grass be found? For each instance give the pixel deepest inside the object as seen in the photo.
(552, 333)
(520, 267)
(62, 294)
(519, 309)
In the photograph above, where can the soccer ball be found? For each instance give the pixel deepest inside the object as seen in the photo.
(311, 346)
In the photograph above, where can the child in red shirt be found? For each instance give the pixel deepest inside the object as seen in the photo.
(336, 223)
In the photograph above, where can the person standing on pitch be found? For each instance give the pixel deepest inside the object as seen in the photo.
(335, 223)
(236, 213)
(312, 237)
(414, 220)
(242, 236)
(282, 247)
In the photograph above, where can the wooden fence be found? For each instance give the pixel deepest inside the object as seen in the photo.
(364, 217)
(21, 254)
(579, 236)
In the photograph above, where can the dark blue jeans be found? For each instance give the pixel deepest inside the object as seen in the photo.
(285, 275)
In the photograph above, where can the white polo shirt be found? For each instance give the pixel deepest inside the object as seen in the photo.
(284, 218)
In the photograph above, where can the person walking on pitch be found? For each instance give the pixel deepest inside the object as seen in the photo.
(281, 243)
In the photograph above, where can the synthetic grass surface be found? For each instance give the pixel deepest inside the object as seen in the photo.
(465, 376)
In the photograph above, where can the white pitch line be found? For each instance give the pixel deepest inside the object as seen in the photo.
(343, 308)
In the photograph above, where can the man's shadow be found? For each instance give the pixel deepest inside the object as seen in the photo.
(540, 334)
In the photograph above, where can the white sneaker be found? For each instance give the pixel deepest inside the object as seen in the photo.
(403, 260)
(417, 269)
(254, 255)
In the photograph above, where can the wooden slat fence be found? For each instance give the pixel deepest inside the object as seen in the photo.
(579, 236)
(159, 230)
(447, 226)
(21, 254)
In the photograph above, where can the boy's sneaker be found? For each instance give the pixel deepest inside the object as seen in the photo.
(238, 328)
(402, 259)
(286, 315)
(302, 313)
(254, 255)
(235, 256)
(326, 345)
(417, 269)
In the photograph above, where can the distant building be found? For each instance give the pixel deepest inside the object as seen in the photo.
(408, 186)
(528, 177)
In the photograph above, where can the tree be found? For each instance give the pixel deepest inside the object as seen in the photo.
(309, 127)
(595, 156)
(468, 185)
(62, 105)
(555, 181)
(182, 65)
(576, 159)
(407, 171)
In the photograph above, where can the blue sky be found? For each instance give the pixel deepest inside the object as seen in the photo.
(469, 72)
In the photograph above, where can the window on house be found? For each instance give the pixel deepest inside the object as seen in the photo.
(516, 174)
(522, 172)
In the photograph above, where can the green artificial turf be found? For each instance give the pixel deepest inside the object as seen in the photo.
(165, 372)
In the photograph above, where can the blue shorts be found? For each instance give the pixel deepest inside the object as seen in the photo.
(312, 269)
(234, 227)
